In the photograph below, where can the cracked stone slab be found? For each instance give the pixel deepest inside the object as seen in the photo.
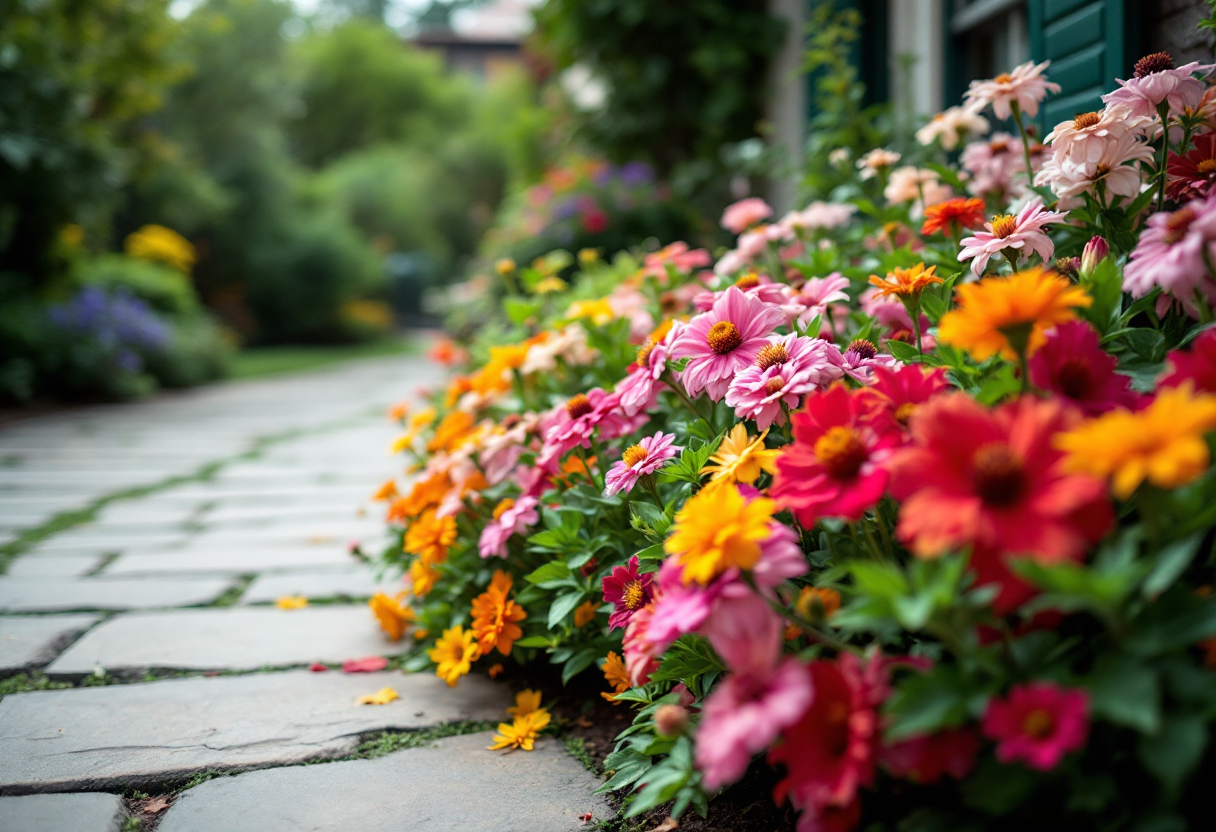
(88, 812)
(357, 582)
(124, 736)
(103, 593)
(454, 785)
(29, 641)
(232, 638)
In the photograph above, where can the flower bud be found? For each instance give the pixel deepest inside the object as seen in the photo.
(670, 720)
(505, 266)
(1068, 266)
(588, 256)
(1096, 250)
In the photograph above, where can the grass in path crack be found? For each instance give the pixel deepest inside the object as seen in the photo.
(379, 745)
(578, 750)
(234, 592)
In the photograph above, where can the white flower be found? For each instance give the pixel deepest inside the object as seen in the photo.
(951, 126)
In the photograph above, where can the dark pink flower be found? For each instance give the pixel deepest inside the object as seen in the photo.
(786, 369)
(895, 394)
(862, 358)
(1198, 365)
(628, 591)
(925, 759)
(723, 341)
(1173, 253)
(1038, 724)
(1072, 365)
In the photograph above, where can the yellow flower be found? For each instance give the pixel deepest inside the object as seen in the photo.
(905, 282)
(588, 256)
(454, 654)
(584, 614)
(1162, 443)
(505, 266)
(1010, 315)
(553, 283)
(430, 536)
(291, 602)
(380, 697)
(393, 616)
(162, 245)
(526, 701)
(496, 617)
(615, 675)
(740, 459)
(598, 311)
(417, 422)
(716, 529)
(422, 579)
(521, 733)
(374, 314)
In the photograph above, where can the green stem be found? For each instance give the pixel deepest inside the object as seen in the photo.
(648, 483)
(675, 388)
(1163, 113)
(1017, 117)
(1024, 365)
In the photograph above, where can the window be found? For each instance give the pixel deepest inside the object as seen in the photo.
(991, 36)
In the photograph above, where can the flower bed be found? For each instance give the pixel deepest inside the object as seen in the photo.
(909, 497)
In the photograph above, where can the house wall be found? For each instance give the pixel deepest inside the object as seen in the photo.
(1173, 26)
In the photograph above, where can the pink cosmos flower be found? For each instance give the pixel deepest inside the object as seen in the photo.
(628, 591)
(756, 285)
(996, 166)
(723, 341)
(784, 371)
(1024, 234)
(743, 716)
(1072, 364)
(641, 651)
(746, 212)
(1171, 254)
(819, 216)
(813, 298)
(677, 255)
(516, 518)
(1156, 80)
(1026, 86)
(640, 460)
(951, 126)
(1038, 724)
(908, 184)
(1197, 366)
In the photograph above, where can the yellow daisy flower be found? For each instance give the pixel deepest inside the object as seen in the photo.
(739, 458)
(453, 654)
(521, 733)
(717, 529)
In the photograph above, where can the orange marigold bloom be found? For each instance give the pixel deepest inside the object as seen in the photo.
(496, 616)
(429, 537)
(399, 411)
(386, 492)
(902, 283)
(393, 616)
(959, 213)
(584, 613)
(422, 581)
(423, 495)
(452, 432)
(447, 353)
(817, 602)
(616, 675)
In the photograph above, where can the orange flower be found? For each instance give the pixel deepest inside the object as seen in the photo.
(496, 616)
(424, 494)
(616, 675)
(399, 411)
(495, 670)
(422, 581)
(430, 536)
(447, 353)
(393, 616)
(457, 388)
(957, 213)
(815, 602)
(386, 492)
(905, 283)
(584, 614)
(452, 432)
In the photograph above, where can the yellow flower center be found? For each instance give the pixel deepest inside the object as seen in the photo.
(999, 475)
(1003, 78)
(1207, 167)
(1038, 724)
(503, 507)
(1003, 225)
(1178, 224)
(864, 348)
(633, 455)
(644, 351)
(771, 355)
(774, 385)
(904, 412)
(749, 281)
(578, 406)
(841, 451)
(1085, 120)
(633, 595)
(723, 337)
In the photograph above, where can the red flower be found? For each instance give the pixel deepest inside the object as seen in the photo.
(895, 394)
(834, 466)
(595, 221)
(992, 479)
(1193, 175)
(1197, 366)
(627, 591)
(1072, 364)
(1038, 724)
(925, 759)
(957, 213)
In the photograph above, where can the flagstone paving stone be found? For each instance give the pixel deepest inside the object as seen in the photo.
(356, 582)
(235, 559)
(29, 641)
(454, 785)
(245, 638)
(67, 566)
(104, 593)
(88, 812)
(124, 736)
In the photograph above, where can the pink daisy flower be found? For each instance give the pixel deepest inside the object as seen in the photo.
(1023, 233)
(1026, 86)
(1156, 80)
(1117, 168)
(1172, 254)
(723, 341)
(1197, 366)
(785, 370)
(860, 360)
(746, 212)
(579, 418)
(1038, 724)
(628, 591)
(640, 389)
(510, 518)
(1072, 364)
(996, 166)
(640, 460)
(756, 285)
(813, 298)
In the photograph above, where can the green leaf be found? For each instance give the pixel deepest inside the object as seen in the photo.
(628, 766)
(1172, 561)
(577, 663)
(1177, 619)
(879, 579)
(1125, 691)
(552, 575)
(927, 702)
(998, 789)
(563, 606)
(535, 641)
(519, 310)
(1174, 752)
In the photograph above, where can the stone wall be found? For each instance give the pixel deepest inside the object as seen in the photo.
(1173, 26)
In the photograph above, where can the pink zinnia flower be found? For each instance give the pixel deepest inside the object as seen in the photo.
(1072, 364)
(820, 215)
(1023, 233)
(1117, 168)
(1026, 85)
(951, 126)
(909, 183)
(677, 255)
(723, 341)
(511, 518)
(639, 389)
(862, 358)
(640, 460)
(834, 466)
(641, 652)
(995, 166)
(785, 370)
(743, 716)
(1156, 80)
(1197, 366)
(1173, 253)
(628, 591)
(756, 285)
(746, 212)
(1083, 140)
(813, 298)
(576, 421)
(745, 631)
(1038, 724)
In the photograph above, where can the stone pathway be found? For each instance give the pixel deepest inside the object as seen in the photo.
(152, 540)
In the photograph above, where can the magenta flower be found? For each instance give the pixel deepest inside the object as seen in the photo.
(1072, 364)
(1026, 86)
(1023, 233)
(723, 341)
(745, 213)
(785, 370)
(640, 460)
(628, 591)
(756, 285)
(813, 297)
(1156, 80)
(1173, 252)
(860, 360)
(515, 518)
(743, 716)
(1038, 724)
(1197, 366)
(640, 389)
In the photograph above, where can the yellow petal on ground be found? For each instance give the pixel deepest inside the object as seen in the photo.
(291, 602)
(380, 697)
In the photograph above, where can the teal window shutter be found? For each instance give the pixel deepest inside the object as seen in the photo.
(1087, 42)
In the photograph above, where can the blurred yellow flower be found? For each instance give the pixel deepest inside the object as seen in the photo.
(161, 245)
(291, 602)
(380, 697)
(526, 701)
(522, 733)
(598, 311)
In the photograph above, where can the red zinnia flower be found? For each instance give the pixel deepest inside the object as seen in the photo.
(1071, 364)
(1197, 366)
(993, 479)
(1038, 724)
(953, 216)
(627, 591)
(926, 758)
(1192, 176)
(895, 394)
(833, 468)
